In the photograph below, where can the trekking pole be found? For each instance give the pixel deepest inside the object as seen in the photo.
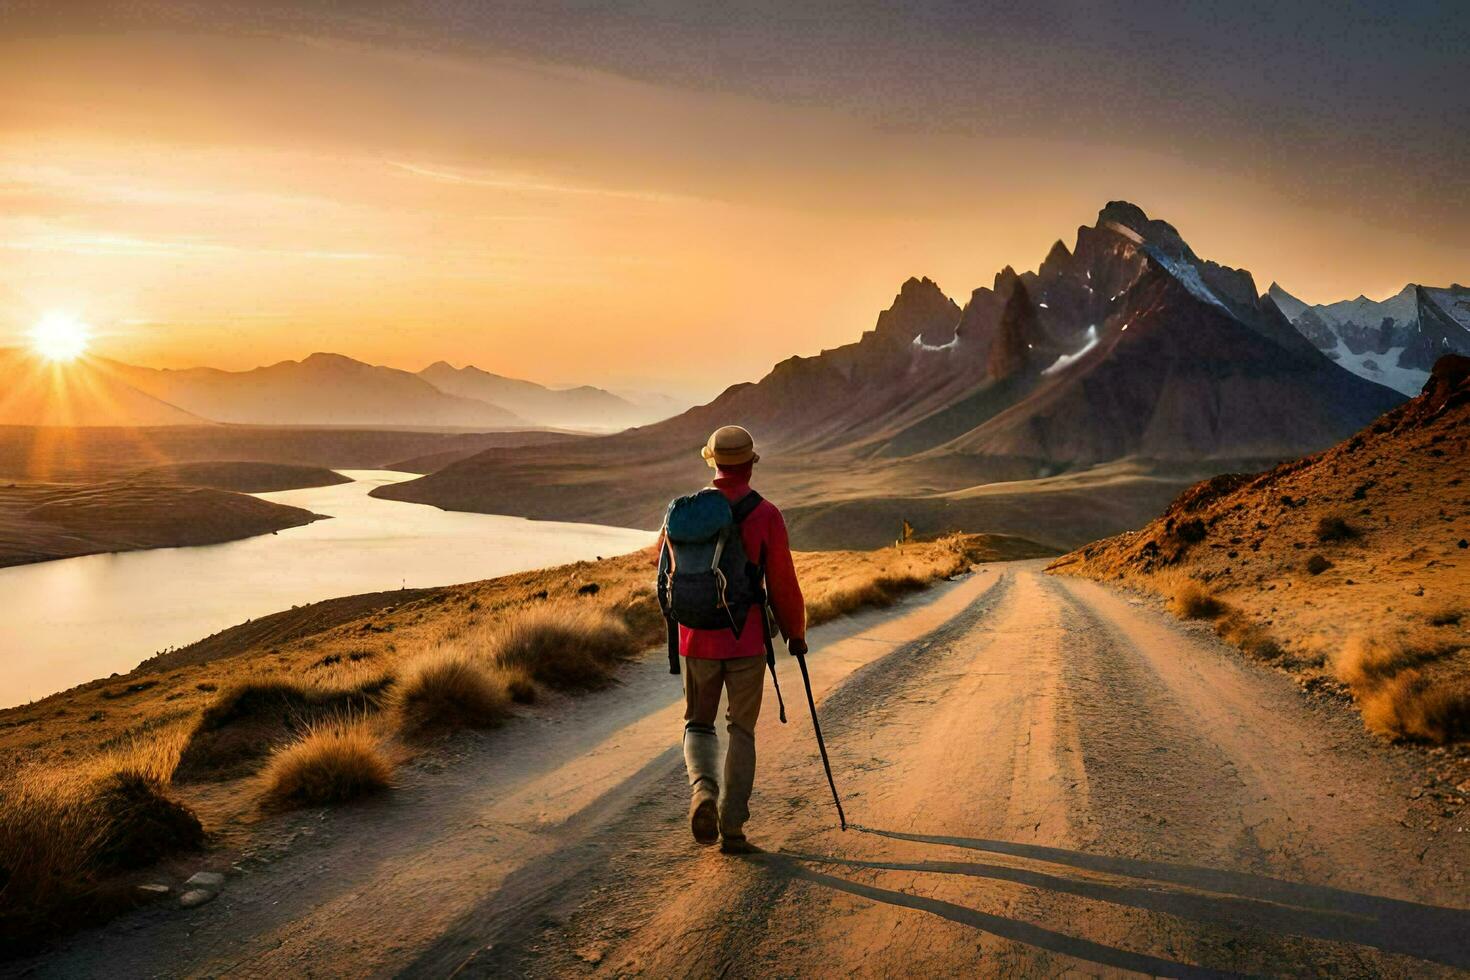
(771, 663)
(821, 745)
(771, 659)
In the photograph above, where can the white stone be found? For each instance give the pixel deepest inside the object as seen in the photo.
(206, 879)
(195, 897)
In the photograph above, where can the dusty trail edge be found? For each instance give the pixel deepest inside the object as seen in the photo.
(1044, 775)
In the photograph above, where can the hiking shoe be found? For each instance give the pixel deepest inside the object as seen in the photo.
(737, 844)
(704, 820)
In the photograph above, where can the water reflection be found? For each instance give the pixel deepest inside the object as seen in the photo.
(65, 622)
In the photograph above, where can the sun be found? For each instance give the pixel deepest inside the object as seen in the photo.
(60, 337)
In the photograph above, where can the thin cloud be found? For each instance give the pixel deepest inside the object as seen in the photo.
(520, 183)
(129, 245)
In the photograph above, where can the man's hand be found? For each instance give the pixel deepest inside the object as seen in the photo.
(796, 647)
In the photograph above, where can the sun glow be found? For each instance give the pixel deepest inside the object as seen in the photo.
(60, 337)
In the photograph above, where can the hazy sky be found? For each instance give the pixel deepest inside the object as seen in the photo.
(678, 194)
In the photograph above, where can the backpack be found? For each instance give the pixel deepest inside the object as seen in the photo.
(705, 579)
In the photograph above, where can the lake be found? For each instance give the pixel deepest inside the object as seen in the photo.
(74, 620)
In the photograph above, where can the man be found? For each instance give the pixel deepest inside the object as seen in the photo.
(733, 659)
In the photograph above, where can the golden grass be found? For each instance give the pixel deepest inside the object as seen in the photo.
(566, 646)
(1190, 599)
(333, 762)
(240, 726)
(873, 589)
(449, 689)
(1409, 705)
(1367, 659)
(65, 832)
(1250, 638)
(1396, 697)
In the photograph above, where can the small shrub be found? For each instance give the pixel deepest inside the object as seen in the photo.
(333, 762)
(1192, 531)
(1333, 528)
(563, 646)
(1192, 600)
(448, 690)
(1317, 564)
(1444, 615)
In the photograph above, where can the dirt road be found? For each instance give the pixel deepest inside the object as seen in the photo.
(1044, 777)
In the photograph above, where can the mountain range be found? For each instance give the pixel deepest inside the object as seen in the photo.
(580, 407)
(1127, 346)
(319, 390)
(1394, 341)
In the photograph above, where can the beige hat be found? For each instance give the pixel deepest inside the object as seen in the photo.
(729, 445)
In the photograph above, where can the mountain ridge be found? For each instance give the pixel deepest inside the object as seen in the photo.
(1394, 341)
(1127, 345)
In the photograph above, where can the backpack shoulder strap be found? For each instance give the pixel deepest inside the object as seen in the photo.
(743, 508)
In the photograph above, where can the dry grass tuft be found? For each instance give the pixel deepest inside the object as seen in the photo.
(238, 730)
(848, 595)
(1396, 697)
(63, 833)
(1366, 660)
(1410, 706)
(1251, 638)
(1190, 599)
(447, 690)
(563, 646)
(334, 762)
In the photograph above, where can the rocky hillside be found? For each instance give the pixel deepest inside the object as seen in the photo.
(1351, 566)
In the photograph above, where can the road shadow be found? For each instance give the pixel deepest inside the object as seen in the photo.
(1022, 932)
(1229, 898)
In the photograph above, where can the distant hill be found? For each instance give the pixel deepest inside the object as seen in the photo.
(242, 476)
(84, 392)
(322, 389)
(43, 521)
(1126, 347)
(583, 407)
(1393, 341)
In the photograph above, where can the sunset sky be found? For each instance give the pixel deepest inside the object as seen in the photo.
(677, 196)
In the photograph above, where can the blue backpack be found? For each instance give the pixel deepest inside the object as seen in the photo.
(705, 579)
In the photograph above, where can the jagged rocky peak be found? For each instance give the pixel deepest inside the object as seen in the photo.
(920, 310)
(1153, 231)
(1014, 348)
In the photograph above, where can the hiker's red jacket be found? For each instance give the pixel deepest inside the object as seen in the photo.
(764, 536)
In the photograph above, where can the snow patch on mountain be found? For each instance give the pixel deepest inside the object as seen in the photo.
(1187, 275)
(1067, 360)
(1383, 368)
(953, 342)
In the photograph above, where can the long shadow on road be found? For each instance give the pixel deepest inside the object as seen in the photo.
(1230, 898)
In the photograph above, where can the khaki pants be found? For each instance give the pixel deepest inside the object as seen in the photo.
(744, 679)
